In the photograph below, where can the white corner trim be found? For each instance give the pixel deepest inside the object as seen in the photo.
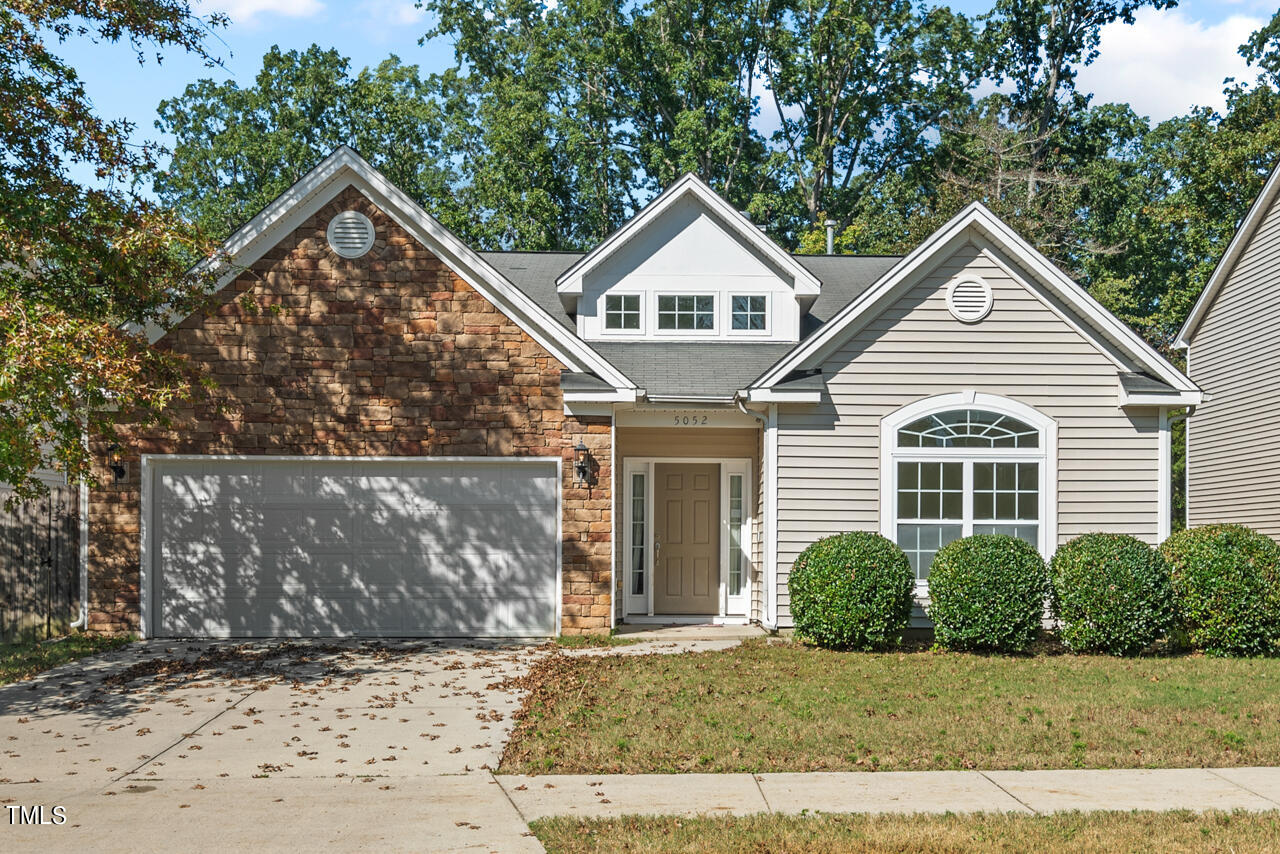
(570, 281)
(770, 464)
(1257, 212)
(919, 261)
(1164, 502)
(343, 168)
(1046, 455)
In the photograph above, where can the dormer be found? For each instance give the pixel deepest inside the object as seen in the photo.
(688, 268)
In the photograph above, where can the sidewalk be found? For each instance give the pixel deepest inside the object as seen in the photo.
(1031, 792)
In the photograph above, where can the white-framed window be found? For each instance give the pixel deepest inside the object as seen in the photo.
(962, 464)
(686, 312)
(749, 313)
(636, 566)
(622, 312)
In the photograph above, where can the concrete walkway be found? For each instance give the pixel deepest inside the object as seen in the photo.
(1038, 792)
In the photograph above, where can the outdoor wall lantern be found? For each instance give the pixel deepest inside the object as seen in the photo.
(583, 468)
(115, 456)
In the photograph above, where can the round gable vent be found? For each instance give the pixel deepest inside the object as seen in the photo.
(350, 234)
(969, 299)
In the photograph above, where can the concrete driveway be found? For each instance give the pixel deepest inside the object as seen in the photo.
(272, 745)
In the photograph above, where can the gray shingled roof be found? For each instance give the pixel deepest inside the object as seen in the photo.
(679, 369)
(710, 369)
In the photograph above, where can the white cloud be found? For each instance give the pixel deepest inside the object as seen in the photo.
(247, 11)
(1165, 63)
(392, 12)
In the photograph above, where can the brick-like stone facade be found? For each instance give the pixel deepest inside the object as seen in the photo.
(391, 354)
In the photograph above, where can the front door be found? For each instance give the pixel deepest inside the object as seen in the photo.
(686, 546)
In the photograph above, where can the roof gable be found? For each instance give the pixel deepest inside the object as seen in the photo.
(1248, 227)
(344, 168)
(692, 189)
(976, 220)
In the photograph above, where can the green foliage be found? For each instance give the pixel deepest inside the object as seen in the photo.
(987, 592)
(78, 263)
(238, 148)
(1227, 582)
(1112, 593)
(851, 591)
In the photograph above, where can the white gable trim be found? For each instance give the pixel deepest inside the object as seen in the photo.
(1235, 248)
(343, 168)
(569, 283)
(923, 258)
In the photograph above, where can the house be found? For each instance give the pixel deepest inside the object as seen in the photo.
(1232, 341)
(415, 438)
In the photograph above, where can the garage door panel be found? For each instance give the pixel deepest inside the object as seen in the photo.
(316, 547)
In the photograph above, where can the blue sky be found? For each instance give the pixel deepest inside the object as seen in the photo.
(1163, 64)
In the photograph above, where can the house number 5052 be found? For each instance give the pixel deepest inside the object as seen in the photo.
(690, 420)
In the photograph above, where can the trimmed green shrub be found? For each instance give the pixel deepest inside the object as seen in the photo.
(1226, 579)
(851, 591)
(987, 592)
(1112, 593)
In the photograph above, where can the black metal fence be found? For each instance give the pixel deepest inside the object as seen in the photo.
(39, 565)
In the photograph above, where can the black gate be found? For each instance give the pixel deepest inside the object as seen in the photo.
(39, 565)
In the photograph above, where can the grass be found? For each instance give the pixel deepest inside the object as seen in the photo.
(1080, 833)
(20, 661)
(786, 707)
(593, 641)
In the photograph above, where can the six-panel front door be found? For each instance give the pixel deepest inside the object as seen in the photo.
(686, 538)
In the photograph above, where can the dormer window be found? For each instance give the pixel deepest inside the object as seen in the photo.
(622, 312)
(750, 314)
(680, 313)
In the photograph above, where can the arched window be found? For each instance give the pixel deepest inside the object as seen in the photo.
(962, 464)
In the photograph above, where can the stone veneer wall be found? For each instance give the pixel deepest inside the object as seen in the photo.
(388, 354)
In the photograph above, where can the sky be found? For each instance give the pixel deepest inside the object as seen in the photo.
(1163, 64)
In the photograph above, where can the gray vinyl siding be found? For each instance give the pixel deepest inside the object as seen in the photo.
(1233, 440)
(829, 455)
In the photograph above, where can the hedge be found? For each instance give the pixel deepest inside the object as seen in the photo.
(851, 591)
(987, 592)
(1112, 593)
(1226, 579)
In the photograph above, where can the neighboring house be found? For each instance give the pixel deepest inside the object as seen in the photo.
(1232, 339)
(395, 444)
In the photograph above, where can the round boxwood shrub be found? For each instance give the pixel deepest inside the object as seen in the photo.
(1226, 579)
(987, 592)
(1112, 593)
(851, 591)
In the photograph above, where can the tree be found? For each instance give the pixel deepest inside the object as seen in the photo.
(237, 149)
(78, 263)
(857, 89)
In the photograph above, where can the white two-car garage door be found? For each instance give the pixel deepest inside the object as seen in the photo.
(330, 546)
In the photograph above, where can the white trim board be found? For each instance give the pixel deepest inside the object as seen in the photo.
(344, 168)
(1257, 212)
(928, 254)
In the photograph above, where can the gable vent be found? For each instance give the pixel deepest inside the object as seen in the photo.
(969, 300)
(350, 234)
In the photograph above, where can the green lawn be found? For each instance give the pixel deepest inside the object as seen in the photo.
(23, 660)
(1080, 833)
(593, 641)
(786, 707)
